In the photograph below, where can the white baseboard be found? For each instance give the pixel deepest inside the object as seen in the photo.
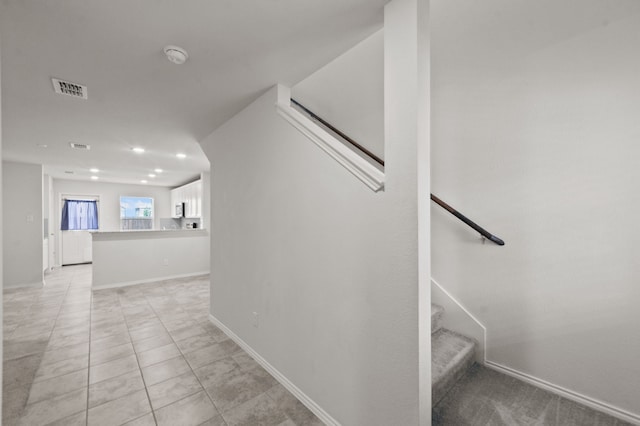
(566, 393)
(302, 397)
(148, 280)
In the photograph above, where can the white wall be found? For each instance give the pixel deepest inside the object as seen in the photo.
(110, 193)
(126, 258)
(330, 267)
(537, 140)
(22, 224)
(349, 93)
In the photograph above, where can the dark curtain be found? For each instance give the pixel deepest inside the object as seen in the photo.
(79, 215)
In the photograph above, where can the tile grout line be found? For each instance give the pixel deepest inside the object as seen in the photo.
(66, 292)
(144, 382)
(86, 419)
(46, 346)
(190, 368)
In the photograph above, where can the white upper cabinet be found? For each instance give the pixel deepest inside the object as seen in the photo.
(191, 195)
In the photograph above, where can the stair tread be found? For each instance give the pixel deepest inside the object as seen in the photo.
(448, 348)
(451, 355)
(436, 315)
(436, 309)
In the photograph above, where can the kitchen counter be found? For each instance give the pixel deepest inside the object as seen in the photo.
(123, 258)
(148, 234)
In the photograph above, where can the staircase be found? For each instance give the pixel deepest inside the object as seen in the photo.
(452, 354)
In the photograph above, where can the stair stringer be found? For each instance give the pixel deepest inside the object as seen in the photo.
(457, 318)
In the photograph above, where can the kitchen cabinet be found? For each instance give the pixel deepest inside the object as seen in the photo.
(191, 195)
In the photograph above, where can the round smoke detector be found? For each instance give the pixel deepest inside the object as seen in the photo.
(176, 54)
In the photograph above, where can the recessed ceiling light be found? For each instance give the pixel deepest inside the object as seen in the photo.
(181, 155)
(143, 181)
(176, 54)
(152, 175)
(158, 170)
(138, 150)
(94, 170)
(42, 145)
(94, 177)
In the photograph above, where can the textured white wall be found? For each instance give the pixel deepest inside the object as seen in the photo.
(349, 93)
(537, 140)
(330, 267)
(22, 224)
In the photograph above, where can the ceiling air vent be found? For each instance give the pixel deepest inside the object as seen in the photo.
(68, 88)
(79, 146)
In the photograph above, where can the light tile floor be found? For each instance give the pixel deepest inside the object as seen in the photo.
(139, 355)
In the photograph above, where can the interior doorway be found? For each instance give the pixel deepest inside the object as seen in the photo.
(79, 217)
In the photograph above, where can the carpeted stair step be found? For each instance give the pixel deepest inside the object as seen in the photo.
(436, 317)
(451, 356)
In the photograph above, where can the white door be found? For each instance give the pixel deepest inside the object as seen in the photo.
(76, 247)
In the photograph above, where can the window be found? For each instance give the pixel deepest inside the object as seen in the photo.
(136, 213)
(79, 215)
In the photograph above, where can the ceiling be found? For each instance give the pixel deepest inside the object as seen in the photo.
(136, 97)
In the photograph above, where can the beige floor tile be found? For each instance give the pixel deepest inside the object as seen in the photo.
(154, 356)
(13, 402)
(206, 355)
(194, 343)
(190, 411)
(67, 331)
(260, 410)
(107, 342)
(63, 367)
(216, 372)
(165, 370)
(245, 361)
(239, 386)
(213, 330)
(61, 354)
(114, 330)
(57, 386)
(107, 370)
(78, 419)
(68, 340)
(15, 349)
(216, 421)
(146, 420)
(53, 409)
(121, 410)
(187, 331)
(152, 342)
(172, 390)
(20, 372)
(294, 409)
(110, 354)
(146, 332)
(114, 388)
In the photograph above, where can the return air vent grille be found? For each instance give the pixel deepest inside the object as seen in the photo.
(79, 146)
(68, 88)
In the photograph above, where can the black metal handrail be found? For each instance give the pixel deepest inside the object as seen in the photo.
(338, 132)
(380, 161)
(488, 235)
